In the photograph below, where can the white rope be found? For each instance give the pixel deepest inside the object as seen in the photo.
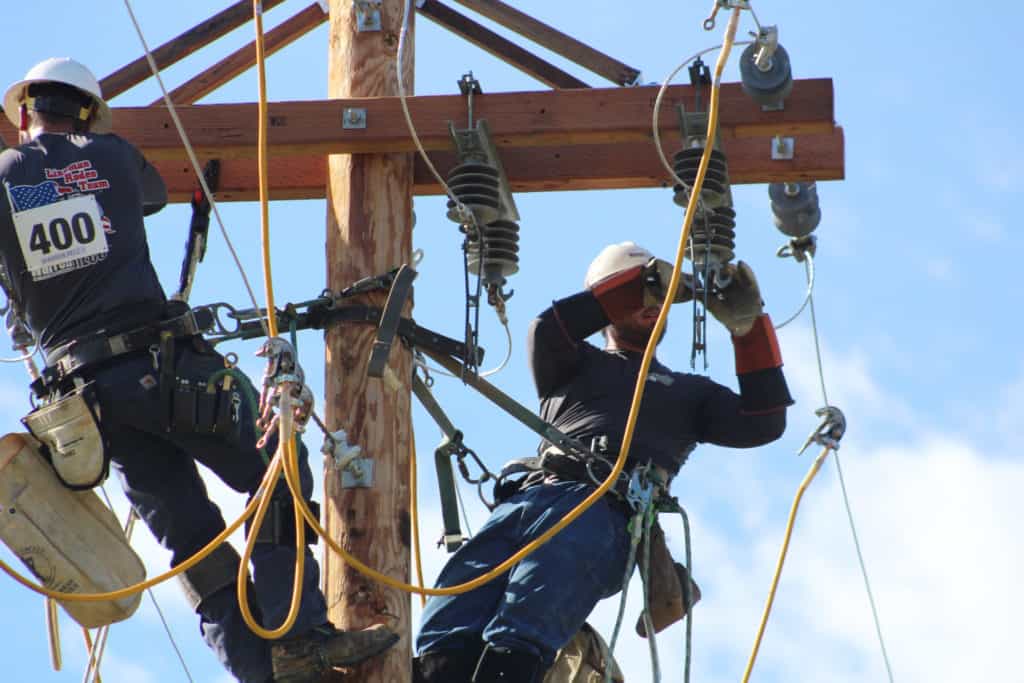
(657, 109)
(96, 656)
(406, 13)
(846, 503)
(809, 268)
(195, 166)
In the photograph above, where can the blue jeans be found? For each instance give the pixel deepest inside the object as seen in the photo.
(158, 473)
(540, 604)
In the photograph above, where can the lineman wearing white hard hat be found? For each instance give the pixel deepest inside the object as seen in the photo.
(511, 629)
(74, 250)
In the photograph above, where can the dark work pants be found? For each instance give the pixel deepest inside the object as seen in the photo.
(158, 472)
(540, 604)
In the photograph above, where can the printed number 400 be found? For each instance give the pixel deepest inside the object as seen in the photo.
(61, 234)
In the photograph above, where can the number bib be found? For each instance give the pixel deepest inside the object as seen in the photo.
(61, 237)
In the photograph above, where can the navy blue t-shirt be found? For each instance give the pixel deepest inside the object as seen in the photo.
(72, 236)
(586, 393)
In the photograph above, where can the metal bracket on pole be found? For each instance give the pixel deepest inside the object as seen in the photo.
(358, 474)
(368, 15)
(783, 148)
(353, 118)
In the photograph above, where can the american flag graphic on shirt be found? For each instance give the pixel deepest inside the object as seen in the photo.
(25, 197)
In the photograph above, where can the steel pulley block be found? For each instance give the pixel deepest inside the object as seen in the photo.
(795, 207)
(477, 186)
(768, 86)
(686, 163)
(500, 252)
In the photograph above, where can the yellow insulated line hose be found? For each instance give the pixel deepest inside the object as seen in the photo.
(815, 466)
(291, 471)
(415, 518)
(286, 436)
(286, 458)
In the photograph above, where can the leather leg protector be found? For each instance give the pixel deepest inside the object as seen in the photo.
(217, 570)
(505, 665)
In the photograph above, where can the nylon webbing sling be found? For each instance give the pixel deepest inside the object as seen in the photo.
(511, 406)
(453, 537)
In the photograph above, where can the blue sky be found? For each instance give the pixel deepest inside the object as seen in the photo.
(915, 288)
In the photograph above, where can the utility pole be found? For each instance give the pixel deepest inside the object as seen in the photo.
(369, 231)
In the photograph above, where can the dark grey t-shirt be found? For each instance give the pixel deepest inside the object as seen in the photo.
(587, 392)
(72, 236)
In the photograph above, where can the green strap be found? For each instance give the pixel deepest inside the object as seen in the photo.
(443, 463)
(511, 406)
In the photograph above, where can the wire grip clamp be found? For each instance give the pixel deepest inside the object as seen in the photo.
(831, 430)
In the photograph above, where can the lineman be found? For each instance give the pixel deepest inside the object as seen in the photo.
(73, 244)
(511, 629)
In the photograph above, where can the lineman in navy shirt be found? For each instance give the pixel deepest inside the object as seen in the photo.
(512, 628)
(73, 245)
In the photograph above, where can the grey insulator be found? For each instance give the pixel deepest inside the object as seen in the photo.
(770, 87)
(477, 187)
(500, 253)
(795, 207)
(716, 181)
(714, 237)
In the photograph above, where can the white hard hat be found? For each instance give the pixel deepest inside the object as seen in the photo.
(60, 70)
(615, 258)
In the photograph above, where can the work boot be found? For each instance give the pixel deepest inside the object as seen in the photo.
(505, 665)
(446, 666)
(307, 658)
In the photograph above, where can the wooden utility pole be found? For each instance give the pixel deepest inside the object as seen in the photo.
(369, 231)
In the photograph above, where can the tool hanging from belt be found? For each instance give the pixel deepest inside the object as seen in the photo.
(198, 229)
(89, 351)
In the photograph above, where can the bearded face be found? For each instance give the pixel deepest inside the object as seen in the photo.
(634, 332)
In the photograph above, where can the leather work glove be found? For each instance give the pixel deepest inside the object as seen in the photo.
(738, 305)
(628, 291)
(657, 276)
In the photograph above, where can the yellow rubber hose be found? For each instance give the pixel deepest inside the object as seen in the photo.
(815, 466)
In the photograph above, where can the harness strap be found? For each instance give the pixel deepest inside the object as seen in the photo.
(390, 318)
(100, 347)
(453, 537)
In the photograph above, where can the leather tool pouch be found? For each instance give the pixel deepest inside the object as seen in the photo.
(70, 433)
(204, 407)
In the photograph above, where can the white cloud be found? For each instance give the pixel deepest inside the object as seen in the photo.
(938, 523)
(848, 379)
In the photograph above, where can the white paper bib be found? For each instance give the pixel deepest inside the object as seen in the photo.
(61, 237)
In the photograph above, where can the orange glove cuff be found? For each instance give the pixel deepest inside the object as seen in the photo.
(757, 349)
